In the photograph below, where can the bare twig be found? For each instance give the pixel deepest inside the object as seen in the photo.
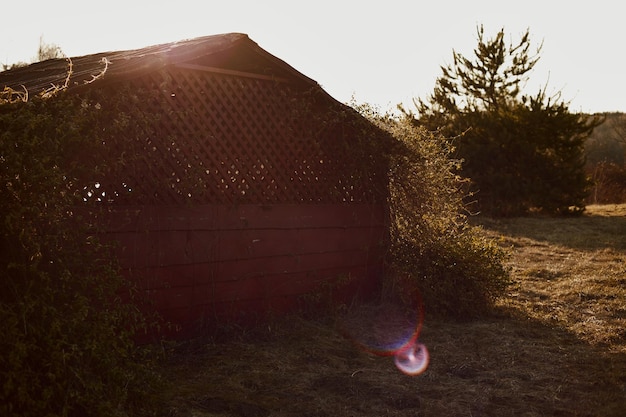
(54, 89)
(106, 63)
(9, 95)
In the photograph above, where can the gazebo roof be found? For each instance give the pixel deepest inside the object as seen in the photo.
(233, 53)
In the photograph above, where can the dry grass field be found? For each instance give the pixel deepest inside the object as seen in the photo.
(555, 346)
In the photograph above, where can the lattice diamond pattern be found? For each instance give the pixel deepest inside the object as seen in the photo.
(229, 139)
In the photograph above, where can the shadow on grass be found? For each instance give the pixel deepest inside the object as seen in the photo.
(511, 365)
(506, 365)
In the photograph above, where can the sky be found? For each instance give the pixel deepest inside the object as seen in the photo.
(383, 53)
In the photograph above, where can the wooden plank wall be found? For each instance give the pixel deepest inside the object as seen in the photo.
(203, 265)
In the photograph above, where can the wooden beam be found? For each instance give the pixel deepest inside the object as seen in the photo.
(216, 70)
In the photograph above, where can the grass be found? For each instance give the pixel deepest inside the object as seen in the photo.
(555, 346)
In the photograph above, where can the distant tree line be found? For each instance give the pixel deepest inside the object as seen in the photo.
(605, 150)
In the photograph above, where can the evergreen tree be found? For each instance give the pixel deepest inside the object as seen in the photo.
(521, 152)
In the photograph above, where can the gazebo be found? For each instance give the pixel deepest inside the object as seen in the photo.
(245, 190)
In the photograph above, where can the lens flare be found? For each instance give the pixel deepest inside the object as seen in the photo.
(382, 329)
(413, 360)
(389, 330)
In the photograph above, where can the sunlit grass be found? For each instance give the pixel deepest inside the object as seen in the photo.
(571, 272)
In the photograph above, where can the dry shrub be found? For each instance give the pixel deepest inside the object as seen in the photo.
(458, 271)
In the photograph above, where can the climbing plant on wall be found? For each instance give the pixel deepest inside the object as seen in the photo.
(66, 315)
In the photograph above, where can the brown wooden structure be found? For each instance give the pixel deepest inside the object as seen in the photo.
(245, 190)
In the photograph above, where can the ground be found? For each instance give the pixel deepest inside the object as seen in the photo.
(554, 346)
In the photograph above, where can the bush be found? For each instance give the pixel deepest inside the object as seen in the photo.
(67, 346)
(457, 270)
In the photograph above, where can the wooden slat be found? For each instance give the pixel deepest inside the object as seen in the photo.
(244, 216)
(237, 271)
(170, 248)
(266, 287)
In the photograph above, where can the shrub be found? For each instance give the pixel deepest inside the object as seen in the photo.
(457, 270)
(609, 183)
(66, 343)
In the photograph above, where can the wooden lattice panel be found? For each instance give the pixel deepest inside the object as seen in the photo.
(205, 137)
